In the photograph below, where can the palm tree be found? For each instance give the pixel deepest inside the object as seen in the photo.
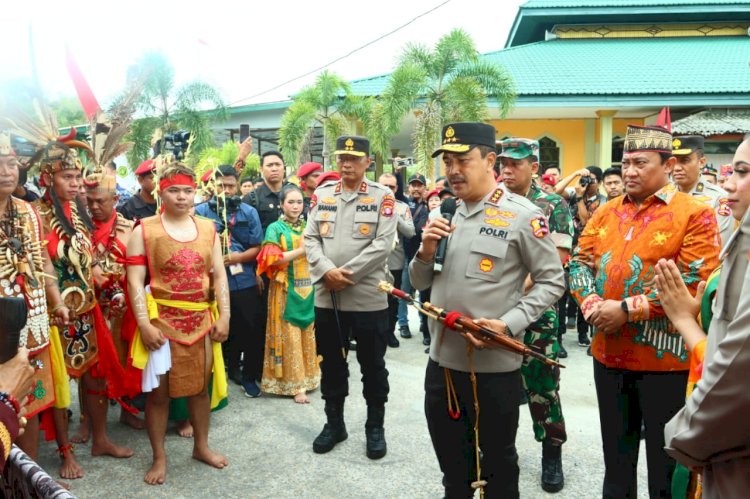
(328, 104)
(192, 107)
(445, 84)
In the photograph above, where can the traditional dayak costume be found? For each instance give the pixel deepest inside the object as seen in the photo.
(179, 304)
(22, 276)
(87, 343)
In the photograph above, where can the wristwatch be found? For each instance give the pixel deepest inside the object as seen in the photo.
(624, 307)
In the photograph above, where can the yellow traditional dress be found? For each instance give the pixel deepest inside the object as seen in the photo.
(290, 364)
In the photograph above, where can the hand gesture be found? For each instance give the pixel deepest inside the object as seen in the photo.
(15, 376)
(609, 317)
(432, 233)
(62, 317)
(152, 337)
(674, 295)
(337, 279)
(495, 325)
(220, 330)
(246, 147)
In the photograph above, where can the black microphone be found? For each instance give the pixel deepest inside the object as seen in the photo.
(447, 210)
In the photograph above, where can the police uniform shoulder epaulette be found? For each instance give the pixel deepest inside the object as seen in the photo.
(714, 188)
(326, 184)
(521, 201)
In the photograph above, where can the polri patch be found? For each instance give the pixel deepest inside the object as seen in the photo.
(539, 227)
(490, 231)
(387, 205)
(313, 201)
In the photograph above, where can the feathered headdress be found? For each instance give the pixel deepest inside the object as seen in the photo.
(55, 152)
(107, 132)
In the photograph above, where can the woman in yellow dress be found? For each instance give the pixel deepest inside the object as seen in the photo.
(290, 365)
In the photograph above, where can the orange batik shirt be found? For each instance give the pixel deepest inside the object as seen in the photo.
(616, 259)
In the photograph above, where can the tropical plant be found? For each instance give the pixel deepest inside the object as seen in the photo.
(328, 104)
(447, 83)
(225, 155)
(192, 107)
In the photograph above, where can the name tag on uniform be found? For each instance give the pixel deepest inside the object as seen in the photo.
(490, 231)
(366, 208)
(236, 269)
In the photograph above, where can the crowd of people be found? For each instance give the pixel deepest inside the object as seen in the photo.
(158, 300)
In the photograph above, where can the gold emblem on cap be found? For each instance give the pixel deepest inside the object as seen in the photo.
(449, 132)
(676, 143)
(349, 144)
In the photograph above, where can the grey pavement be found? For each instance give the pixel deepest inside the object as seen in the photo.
(268, 441)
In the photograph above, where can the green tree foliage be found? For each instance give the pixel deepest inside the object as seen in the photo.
(213, 157)
(192, 107)
(328, 104)
(446, 83)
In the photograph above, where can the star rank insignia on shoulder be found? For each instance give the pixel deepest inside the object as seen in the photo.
(495, 197)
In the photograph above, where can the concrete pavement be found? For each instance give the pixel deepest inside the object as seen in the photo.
(268, 441)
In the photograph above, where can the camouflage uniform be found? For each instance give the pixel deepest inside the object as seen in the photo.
(541, 381)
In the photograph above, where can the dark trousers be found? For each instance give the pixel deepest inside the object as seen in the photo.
(246, 334)
(562, 306)
(370, 329)
(393, 301)
(424, 296)
(625, 399)
(453, 440)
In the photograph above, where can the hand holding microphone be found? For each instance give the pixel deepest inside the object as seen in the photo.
(435, 235)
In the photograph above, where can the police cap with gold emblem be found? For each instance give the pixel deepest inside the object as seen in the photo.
(463, 137)
(687, 144)
(519, 148)
(351, 144)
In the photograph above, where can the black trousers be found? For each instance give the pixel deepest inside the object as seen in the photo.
(453, 440)
(393, 301)
(246, 334)
(370, 329)
(424, 296)
(562, 306)
(625, 399)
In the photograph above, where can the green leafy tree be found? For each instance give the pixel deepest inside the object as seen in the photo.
(328, 104)
(213, 157)
(446, 83)
(164, 106)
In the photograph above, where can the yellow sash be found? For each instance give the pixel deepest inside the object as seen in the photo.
(59, 373)
(139, 352)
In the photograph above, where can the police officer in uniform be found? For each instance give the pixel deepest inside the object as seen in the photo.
(688, 149)
(496, 240)
(348, 237)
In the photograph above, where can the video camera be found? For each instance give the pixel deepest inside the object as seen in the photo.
(218, 203)
(175, 143)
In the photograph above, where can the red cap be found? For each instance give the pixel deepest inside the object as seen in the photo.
(326, 176)
(147, 166)
(307, 168)
(430, 194)
(207, 176)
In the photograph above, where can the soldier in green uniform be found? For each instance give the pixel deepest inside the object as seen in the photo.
(520, 161)
(496, 239)
(348, 237)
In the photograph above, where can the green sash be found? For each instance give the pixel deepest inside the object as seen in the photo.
(300, 298)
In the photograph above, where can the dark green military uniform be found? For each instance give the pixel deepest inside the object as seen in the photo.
(541, 381)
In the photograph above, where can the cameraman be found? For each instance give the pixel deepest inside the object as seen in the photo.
(240, 247)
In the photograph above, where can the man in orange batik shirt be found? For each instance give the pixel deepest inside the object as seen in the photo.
(640, 361)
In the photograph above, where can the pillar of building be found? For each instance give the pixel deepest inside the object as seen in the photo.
(605, 137)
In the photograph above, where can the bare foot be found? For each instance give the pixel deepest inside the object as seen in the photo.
(132, 420)
(211, 458)
(70, 469)
(185, 429)
(107, 448)
(301, 398)
(157, 473)
(82, 435)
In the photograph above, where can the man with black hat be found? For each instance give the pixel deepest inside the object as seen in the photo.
(520, 161)
(688, 149)
(419, 213)
(348, 237)
(143, 203)
(496, 239)
(640, 361)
